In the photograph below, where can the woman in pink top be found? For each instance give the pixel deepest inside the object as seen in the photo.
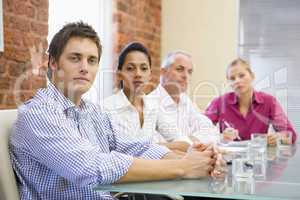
(246, 111)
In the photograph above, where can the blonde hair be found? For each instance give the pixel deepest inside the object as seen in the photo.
(239, 61)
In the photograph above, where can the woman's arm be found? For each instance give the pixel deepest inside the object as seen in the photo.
(280, 121)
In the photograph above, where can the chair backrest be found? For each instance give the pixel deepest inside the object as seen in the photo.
(8, 186)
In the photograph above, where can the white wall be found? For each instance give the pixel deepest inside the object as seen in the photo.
(97, 13)
(208, 30)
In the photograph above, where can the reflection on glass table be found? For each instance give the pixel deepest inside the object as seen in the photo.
(282, 181)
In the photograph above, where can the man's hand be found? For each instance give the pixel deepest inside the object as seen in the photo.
(199, 146)
(220, 169)
(177, 146)
(198, 164)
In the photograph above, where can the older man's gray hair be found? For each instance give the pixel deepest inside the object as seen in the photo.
(170, 58)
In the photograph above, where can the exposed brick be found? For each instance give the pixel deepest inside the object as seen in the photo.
(21, 24)
(42, 15)
(42, 4)
(2, 65)
(19, 8)
(17, 54)
(122, 6)
(7, 21)
(29, 40)
(24, 84)
(2, 98)
(38, 83)
(25, 24)
(17, 37)
(8, 5)
(39, 29)
(5, 83)
(35, 2)
(138, 20)
(10, 100)
(30, 12)
(7, 107)
(16, 69)
(8, 37)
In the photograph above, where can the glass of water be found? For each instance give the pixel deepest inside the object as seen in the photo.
(258, 154)
(242, 168)
(284, 144)
(284, 139)
(259, 140)
(244, 186)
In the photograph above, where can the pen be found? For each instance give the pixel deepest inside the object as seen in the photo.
(228, 126)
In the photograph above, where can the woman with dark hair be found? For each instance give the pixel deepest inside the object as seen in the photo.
(245, 110)
(135, 112)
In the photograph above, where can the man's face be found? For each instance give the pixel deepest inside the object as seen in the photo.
(178, 75)
(76, 68)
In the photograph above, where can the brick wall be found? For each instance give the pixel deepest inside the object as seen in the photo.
(138, 20)
(25, 39)
(25, 34)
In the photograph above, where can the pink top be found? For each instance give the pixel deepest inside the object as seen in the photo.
(265, 110)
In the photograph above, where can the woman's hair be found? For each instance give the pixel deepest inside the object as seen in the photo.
(133, 46)
(239, 61)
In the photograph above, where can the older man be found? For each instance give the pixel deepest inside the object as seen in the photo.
(176, 108)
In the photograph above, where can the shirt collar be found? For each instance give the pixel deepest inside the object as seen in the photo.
(123, 101)
(65, 102)
(232, 98)
(167, 99)
(257, 97)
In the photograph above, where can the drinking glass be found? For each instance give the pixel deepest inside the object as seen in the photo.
(258, 154)
(244, 186)
(242, 168)
(284, 144)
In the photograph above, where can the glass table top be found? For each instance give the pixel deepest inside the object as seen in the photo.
(282, 181)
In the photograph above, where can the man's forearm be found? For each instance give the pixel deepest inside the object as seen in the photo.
(174, 155)
(194, 164)
(177, 145)
(150, 170)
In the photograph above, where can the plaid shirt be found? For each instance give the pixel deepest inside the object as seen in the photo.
(61, 151)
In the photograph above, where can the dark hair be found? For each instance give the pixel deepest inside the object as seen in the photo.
(133, 46)
(61, 38)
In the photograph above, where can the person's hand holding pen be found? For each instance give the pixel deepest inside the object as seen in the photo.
(230, 133)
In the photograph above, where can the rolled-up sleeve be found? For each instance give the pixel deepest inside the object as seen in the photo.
(155, 151)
